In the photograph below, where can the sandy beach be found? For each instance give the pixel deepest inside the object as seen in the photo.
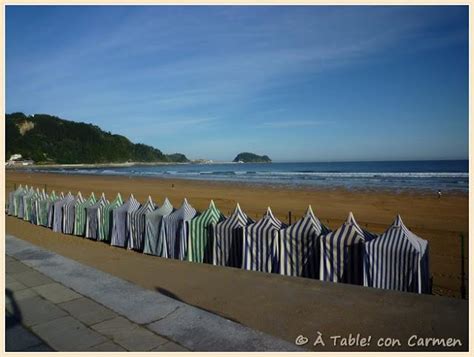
(440, 221)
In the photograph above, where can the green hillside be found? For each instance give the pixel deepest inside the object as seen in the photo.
(49, 139)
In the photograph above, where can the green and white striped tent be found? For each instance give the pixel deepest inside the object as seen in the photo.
(93, 213)
(28, 203)
(80, 217)
(69, 213)
(105, 219)
(43, 206)
(19, 212)
(35, 206)
(201, 234)
(12, 201)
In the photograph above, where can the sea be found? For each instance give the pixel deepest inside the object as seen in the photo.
(428, 176)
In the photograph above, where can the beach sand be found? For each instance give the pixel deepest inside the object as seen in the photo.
(286, 305)
(440, 221)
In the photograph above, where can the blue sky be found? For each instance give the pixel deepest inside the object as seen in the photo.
(302, 83)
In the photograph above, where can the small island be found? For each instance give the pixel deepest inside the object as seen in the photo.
(245, 157)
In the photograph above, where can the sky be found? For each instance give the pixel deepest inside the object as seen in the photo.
(297, 83)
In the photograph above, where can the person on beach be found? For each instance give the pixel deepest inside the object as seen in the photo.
(439, 194)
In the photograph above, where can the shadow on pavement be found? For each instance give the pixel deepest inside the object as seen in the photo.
(174, 296)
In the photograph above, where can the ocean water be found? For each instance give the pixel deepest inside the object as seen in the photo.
(444, 175)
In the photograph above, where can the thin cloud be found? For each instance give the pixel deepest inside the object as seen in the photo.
(291, 123)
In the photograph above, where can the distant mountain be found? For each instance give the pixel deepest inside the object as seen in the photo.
(250, 157)
(49, 139)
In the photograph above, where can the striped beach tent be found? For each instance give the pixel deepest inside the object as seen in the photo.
(299, 247)
(342, 253)
(44, 204)
(106, 218)
(174, 231)
(153, 221)
(398, 260)
(137, 225)
(58, 207)
(69, 213)
(261, 251)
(21, 202)
(121, 222)
(229, 238)
(80, 216)
(52, 212)
(201, 234)
(93, 217)
(34, 218)
(17, 200)
(28, 203)
(12, 201)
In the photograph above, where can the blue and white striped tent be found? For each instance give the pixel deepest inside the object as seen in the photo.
(174, 231)
(342, 253)
(51, 211)
(28, 203)
(137, 225)
(121, 222)
(229, 238)
(261, 251)
(398, 260)
(299, 247)
(58, 212)
(69, 213)
(153, 222)
(93, 217)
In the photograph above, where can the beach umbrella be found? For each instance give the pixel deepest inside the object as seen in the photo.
(174, 231)
(93, 217)
(80, 216)
(398, 260)
(260, 251)
(342, 253)
(153, 221)
(201, 234)
(229, 237)
(121, 222)
(105, 218)
(69, 213)
(299, 246)
(137, 225)
(58, 212)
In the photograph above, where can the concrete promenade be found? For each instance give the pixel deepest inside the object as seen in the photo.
(55, 303)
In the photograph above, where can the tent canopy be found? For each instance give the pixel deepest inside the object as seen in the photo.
(153, 222)
(137, 225)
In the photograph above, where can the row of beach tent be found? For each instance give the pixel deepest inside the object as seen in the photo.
(396, 259)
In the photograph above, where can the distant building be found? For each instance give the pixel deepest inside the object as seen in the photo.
(16, 160)
(15, 157)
